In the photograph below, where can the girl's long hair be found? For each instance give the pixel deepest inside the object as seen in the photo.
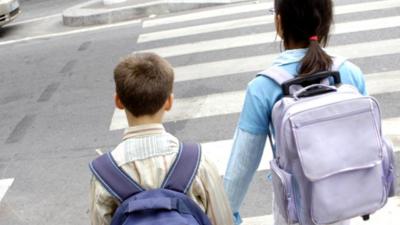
(301, 20)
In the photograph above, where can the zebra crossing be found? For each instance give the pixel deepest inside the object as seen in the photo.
(199, 44)
(5, 184)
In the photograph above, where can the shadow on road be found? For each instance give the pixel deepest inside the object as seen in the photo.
(7, 30)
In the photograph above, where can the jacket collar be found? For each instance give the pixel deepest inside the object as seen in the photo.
(144, 130)
(290, 56)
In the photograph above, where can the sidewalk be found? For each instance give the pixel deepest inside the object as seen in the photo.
(94, 12)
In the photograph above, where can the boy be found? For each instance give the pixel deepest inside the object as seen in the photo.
(144, 83)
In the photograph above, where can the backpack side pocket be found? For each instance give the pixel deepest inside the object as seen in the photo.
(283, 192)
(389, 167)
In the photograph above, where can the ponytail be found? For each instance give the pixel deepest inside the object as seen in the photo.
(316, 59)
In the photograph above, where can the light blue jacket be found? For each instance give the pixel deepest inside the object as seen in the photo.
(253, 127)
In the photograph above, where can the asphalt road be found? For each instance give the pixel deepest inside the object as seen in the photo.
(34, 9)
(56, 95)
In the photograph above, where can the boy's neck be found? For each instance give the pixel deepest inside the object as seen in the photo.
(143, 120)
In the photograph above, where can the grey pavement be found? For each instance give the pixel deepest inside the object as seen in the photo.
(56, 103)
(95, 12)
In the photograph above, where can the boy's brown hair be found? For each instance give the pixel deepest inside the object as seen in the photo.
(143, 81)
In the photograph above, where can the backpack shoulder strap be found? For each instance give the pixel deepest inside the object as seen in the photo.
(277, 74)
(184, 169)
(280, 76)
(113, 178)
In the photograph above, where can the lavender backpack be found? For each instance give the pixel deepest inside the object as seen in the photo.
(168, 205)
(331, 162)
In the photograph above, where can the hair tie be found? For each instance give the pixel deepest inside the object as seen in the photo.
(314, 38)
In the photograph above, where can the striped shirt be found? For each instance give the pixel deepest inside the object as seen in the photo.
(146, 154)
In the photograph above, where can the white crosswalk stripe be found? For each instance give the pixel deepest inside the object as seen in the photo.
(5, 184)
(258, 63)
(385, 216)
(199, 29)
(253, 21)
(382, 81)
(268, 37)
(366, 6)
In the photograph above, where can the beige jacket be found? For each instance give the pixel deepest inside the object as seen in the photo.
(146, 154)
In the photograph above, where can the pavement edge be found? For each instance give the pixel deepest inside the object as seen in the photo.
(85, 15)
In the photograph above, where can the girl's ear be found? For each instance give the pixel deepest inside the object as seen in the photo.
(278, 25)
(118, 102)
(168, 104)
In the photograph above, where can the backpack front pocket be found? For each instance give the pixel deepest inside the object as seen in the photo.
(283, 192)
(348, 194)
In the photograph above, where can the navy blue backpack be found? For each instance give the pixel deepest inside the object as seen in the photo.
(168, 205)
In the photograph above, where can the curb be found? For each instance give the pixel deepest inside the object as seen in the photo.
(83, 15)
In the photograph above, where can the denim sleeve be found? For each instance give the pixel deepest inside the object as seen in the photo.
(245, 158)
(361, 84)
(260, 96)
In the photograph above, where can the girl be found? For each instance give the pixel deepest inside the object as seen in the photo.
(304, 26)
